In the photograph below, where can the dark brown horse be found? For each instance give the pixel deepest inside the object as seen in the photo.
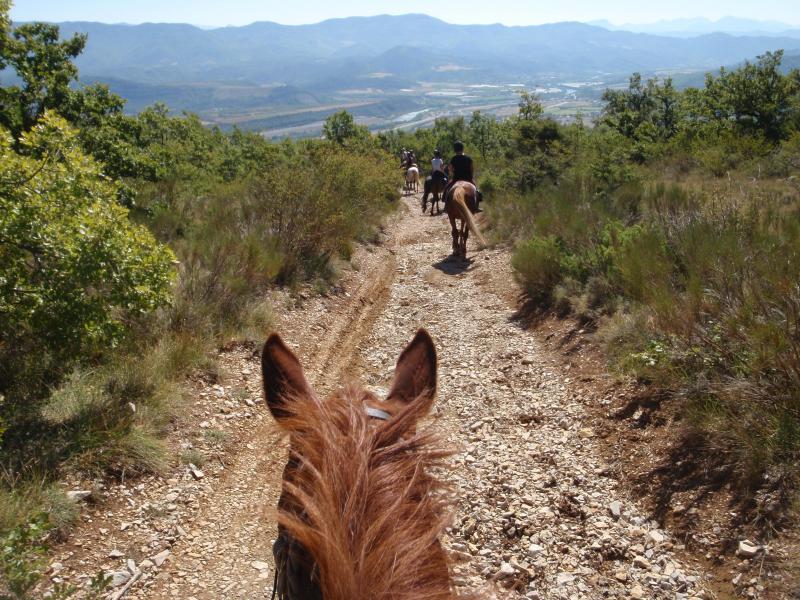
(360, 512)
(433, 186)
(459, 204)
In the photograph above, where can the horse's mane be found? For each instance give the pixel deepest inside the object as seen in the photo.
(369, 508)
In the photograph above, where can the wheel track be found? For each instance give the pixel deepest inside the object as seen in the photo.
(229, 533)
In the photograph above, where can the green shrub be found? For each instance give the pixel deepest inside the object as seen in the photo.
(692, 280)
(73, 268)
(641, 265)
(537, 266)
(278, 226)
(22, 558)
(23, 551)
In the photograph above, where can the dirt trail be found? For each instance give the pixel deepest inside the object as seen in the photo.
(538, 515)
(226, 554)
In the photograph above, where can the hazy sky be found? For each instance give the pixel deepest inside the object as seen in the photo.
(509, 12)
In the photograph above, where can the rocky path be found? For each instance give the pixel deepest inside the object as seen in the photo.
(538, 515)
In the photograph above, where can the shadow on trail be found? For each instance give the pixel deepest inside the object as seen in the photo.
(695, 477)
(453, 265)
(529, 314)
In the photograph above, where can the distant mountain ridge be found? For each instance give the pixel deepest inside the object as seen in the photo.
(353, 49)
(266, 74)
(702, 26)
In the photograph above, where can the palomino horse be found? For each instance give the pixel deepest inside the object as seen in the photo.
(433, 186)
(412, 179)
(360, 511)
(458, 204)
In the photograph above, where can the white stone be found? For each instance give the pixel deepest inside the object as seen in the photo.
(79, 495)
(146, 564)
(119, 578)
(535, 550)
(656, 536)
(161, 557)
(564, 578)
(747, 549)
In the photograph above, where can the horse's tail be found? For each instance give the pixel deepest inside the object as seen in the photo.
(466, 214)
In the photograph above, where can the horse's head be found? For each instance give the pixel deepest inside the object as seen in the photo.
(358, 495)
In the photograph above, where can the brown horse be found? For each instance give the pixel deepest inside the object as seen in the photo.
(461, 199)
(360, 512)
(433, 186)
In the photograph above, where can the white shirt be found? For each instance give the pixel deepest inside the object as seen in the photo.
(438, 164)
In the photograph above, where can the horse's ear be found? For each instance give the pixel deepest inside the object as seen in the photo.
(415, 373)
(283, 376)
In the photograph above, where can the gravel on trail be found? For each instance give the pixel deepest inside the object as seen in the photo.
(538, 515)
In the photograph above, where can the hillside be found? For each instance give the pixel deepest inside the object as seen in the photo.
(616, 364)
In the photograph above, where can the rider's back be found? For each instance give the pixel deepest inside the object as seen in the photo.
(461, 166)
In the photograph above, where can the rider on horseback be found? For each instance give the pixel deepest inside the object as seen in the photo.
(435, 183)
(437, 166)
(461, 169)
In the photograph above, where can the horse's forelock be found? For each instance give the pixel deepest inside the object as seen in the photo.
(371, 508)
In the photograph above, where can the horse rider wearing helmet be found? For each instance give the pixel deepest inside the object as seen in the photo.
(462, 169)
(437, 166)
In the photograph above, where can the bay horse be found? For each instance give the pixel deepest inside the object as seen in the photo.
(360, 511)
(412, 179)
(433, 186)
(459, 203)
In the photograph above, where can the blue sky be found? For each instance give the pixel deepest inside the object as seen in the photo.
(509, 12)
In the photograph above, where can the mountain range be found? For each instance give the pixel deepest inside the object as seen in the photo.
(275, 77)
(701, 26)
(392, 50)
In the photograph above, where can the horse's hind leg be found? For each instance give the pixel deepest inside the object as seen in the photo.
(455, 235)
(464, 236)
